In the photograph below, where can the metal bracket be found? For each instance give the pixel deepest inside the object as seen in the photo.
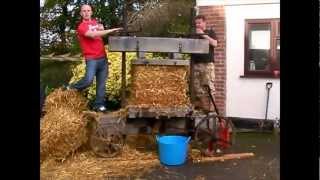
(180, 47)
(137, 46)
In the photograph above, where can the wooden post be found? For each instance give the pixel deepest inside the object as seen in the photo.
(192, 29)
(191, 87)
(141, 55)
(123, 62)
(123, 79)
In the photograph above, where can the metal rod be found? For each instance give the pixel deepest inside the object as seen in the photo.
(123, 62)
(123, 79)
(191, 84)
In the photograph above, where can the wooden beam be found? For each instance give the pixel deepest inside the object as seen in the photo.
(224, 157)
(123, 60)
(167, 62)
(157, 112)
(156, 44)
(177, 56)
(74, 59)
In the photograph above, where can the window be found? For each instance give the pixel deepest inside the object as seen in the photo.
(262, 48)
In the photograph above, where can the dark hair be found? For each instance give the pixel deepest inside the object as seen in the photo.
(200, 17)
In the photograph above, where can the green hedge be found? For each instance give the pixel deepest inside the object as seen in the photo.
(54, 74)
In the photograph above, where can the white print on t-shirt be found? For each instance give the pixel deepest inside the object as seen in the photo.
(93, 27)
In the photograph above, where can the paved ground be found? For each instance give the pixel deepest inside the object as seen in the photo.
(264, 166)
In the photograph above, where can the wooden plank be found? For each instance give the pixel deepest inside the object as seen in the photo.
(224, 157)
(167, 62)
(156, 44)
(141, 55)
(177, 56)
(75, 59)
(153, 112)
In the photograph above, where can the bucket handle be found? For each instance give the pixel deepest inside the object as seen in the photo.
(187, 141)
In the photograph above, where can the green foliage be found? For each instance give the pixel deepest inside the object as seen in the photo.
(58, 18)
(55, 73)
(167, 16)
(48, 90)
(75, 45)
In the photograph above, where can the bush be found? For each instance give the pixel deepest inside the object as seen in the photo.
(54, 74)
(113, 84)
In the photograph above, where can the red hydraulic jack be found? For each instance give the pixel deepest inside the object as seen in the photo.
(222, 137)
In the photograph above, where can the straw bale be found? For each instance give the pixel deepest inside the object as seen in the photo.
(159, 86)
(62, 131)
(69, 99)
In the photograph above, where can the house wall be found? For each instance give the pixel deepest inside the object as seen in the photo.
(215, 16)
(234, 2)
(239, 97)
(246, 97)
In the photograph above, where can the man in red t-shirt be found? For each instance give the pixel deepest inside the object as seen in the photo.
(90, 37)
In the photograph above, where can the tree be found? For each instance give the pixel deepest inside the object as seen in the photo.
(59, 18)
(54, 19)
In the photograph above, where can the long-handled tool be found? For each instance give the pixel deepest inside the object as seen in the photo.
(268, 87)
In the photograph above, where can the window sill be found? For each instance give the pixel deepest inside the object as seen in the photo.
(260, 76)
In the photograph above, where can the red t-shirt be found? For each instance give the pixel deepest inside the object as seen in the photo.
(92, 48)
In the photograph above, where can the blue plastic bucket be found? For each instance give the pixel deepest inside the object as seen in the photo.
(172, 150)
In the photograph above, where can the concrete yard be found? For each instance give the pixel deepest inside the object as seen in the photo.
(265, 165)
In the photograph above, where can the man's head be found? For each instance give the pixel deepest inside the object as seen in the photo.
(200, 22)
(86, 12)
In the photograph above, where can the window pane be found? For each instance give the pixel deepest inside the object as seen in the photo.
(259, 46)
(260, 39)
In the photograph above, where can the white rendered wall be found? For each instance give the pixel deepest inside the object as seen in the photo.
(246, 97)
(234, 2)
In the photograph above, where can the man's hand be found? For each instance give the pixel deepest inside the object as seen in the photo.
(117, 29)
(93, 34)
(100, 27)
(212, 41)
(199, 31)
